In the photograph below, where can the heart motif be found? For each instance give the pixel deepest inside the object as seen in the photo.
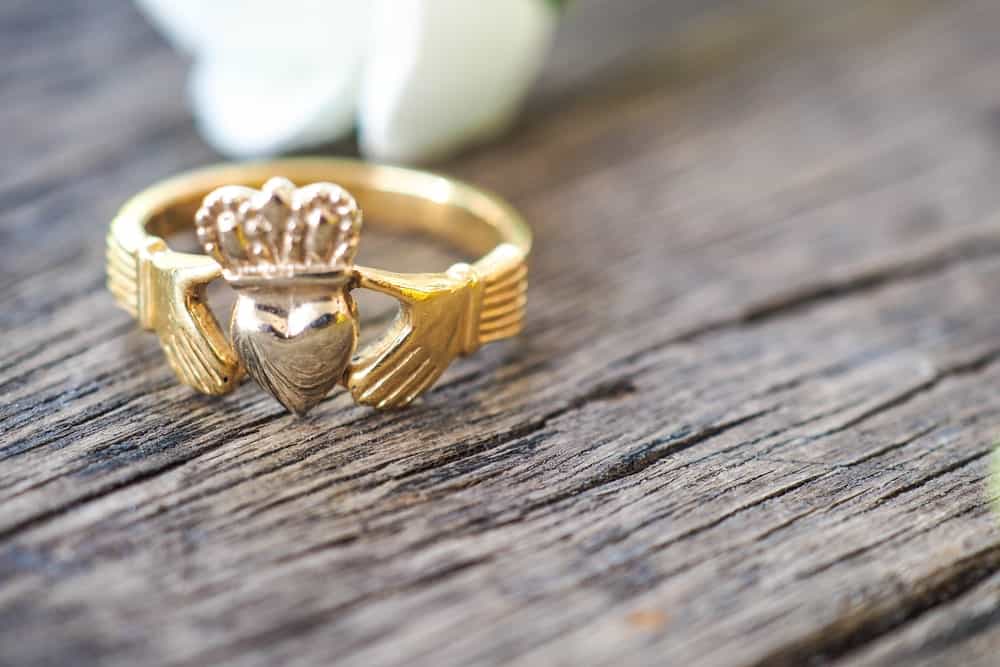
(296, 346)
(289, 252)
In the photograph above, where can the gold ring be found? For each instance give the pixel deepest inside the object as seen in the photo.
(289, 253)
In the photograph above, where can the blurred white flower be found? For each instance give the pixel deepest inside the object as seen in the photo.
(419, 78)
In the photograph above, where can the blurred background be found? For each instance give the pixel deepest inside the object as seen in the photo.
(97, 93)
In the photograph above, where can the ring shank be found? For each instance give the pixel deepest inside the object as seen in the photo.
(393, 198)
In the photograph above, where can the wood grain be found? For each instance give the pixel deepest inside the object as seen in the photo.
(749, 422)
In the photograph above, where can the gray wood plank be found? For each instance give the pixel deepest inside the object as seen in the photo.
(749, 422)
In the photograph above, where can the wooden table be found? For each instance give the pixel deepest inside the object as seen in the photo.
(750, 421)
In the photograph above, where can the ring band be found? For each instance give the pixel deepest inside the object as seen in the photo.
(288, 251)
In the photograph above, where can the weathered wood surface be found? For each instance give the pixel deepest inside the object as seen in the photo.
(750, 421)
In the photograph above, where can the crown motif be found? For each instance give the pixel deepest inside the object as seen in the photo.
(279, 231)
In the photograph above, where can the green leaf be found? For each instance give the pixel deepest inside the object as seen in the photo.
(558, 5)
(994, 485)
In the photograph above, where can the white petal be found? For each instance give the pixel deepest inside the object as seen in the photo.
(269, 77)
(260, 27)
(448, 72)
(262, 107)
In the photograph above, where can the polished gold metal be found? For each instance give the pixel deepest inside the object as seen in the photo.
(289, 254)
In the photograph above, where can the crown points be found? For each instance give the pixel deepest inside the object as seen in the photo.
(280, 231)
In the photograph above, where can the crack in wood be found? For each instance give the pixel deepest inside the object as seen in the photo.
(305, 623)
(44, 516)
(639, 460)
(839, 640)
(973, 248)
